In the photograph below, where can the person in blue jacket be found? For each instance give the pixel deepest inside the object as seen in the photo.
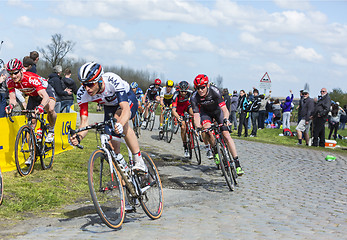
(286, 109)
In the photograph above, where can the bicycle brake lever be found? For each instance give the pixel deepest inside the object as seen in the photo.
(9, 117)
(71, 133)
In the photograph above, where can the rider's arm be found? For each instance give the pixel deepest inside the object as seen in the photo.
(197, 122)
(225, 112)
(162, 101)
(12, 96)
(44, 95)
(125, 114)
(84, 123)
(174, 112)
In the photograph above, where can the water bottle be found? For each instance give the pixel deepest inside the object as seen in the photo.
(39, 134)
(123, 163)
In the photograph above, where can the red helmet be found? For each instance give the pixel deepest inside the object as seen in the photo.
(157, 81)
(13, 65)
(201, 79)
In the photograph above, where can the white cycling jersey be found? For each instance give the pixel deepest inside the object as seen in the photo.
(114, 85)
(165, 94)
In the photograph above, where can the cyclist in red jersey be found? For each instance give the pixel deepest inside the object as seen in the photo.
(208, 105)
(41, 94)
(180, 105)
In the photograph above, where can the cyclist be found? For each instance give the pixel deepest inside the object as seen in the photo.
(166, 95)
(115, 95)
(152, 94)
(139, 95)
(208, 105)
(41, 94)
(180, 105)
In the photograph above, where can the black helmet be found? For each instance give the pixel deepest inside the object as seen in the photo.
(183, 86)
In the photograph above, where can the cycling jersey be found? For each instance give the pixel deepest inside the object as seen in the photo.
(29, 85)
(167, 95)
(139, 93)
(209, 106)
(182, 104)
(152, 92)
(116, 90)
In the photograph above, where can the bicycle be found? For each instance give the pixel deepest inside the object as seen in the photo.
(192, 137)
(168, 127)
(151, 116)
(30, 145)
(137, 124)
(1, 187)
(111, 181)
(226, 162)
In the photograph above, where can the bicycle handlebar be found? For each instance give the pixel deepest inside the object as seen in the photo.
(26, 111)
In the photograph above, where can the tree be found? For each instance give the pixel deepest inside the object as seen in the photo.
(56, 51)
(337, 95)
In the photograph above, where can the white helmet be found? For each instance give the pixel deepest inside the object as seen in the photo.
(90, 72)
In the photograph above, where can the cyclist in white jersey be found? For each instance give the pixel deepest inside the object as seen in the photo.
(166, 95)
(110, 90)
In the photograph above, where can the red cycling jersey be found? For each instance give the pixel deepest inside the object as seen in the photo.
(29, 85)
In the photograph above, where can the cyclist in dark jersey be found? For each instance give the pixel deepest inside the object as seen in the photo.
(208, 105)
(152, 94)
(180, 105)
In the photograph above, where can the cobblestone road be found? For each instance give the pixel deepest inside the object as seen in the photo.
(286, 193)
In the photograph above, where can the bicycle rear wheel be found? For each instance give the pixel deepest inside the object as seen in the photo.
(151, 199)
(106, 190)
(137, 125)
(151, 120)
(1, 187)
(47, 151)
(196, 147)
(170, 128)
(24, 150)
(225, 165)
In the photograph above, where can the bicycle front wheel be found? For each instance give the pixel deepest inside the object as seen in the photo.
(24, 150)
(151, 120)
(1, 187)
(151, 199)
(106, 190)
(47, 151)
(225, 165)
(170, 129)
(196, 147)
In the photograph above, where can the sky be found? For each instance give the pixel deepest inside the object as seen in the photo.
(295, 42)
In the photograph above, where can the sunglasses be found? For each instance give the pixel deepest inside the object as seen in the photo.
(322, 91)
(14, 73)
(183, 91)
(201, 87)
(90, 85)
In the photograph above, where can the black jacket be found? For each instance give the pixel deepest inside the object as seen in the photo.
(55, 81)
(227, 101)
(68, 83)
(322, 107)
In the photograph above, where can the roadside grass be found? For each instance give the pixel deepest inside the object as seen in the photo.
(44, 191)
(271, 135)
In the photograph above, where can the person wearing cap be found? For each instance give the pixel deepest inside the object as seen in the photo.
(303, 127)
(319, 116)
(54, 79)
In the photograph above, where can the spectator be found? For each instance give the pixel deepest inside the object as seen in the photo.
(243, 118)
(343, 118)
(262, 110)
(255, 112)
(250, 99)
(233, 109)
(286, 109)
(303, 127)
(68, 84)
(319, 116)
(54, 80)
(28, 63)
(276, 109)
(269, 111)
(226, 97)
(334, 119)
(34, 55)
(3, 92)
(300, 103)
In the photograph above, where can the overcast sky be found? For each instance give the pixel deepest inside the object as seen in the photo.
(295, 42)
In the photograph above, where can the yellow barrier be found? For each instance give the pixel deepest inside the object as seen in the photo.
(9, 132)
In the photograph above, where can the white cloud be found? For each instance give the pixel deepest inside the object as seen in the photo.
(249, 38)
(107, 32)
(19, 3)
(158, 55)
(293, 4)
(128, 47)
(24, 21)
(182, 42)
(308, 54)
(338, 59)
